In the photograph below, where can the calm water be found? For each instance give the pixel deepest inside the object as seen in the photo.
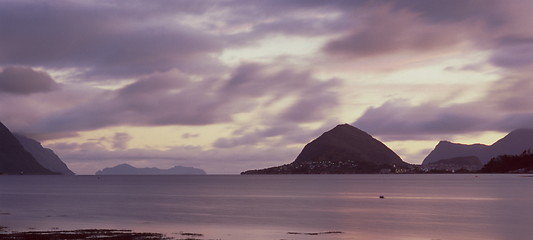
(268, 207)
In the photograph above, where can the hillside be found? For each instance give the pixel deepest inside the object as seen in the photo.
(45, 156)
(14, 159)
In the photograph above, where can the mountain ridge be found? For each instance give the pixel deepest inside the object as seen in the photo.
(513, 143)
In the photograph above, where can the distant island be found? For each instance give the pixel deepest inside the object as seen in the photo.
(126, 169)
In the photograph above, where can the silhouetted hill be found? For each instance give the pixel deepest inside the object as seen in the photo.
(522, 163)
(513, 143)
(14, 159)
(45, 156)
(126, 169)
(343, 149)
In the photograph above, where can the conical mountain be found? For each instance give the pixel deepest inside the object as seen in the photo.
(14, 159)
(343, 149)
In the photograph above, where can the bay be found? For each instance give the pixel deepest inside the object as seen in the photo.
(460, 206)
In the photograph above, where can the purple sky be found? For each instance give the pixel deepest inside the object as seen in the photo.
(232, 85)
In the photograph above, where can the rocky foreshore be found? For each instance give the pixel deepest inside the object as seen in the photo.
(92, 234)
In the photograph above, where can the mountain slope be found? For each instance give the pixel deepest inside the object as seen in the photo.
(513, 143)
(45, 156)
(126, 169)
(14, 159)
(343, 149)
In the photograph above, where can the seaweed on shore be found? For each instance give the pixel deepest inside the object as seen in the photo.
(93, 234)
(313, 233)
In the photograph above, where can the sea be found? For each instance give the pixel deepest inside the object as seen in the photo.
(275, 207)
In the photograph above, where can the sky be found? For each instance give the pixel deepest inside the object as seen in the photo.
(232, 85)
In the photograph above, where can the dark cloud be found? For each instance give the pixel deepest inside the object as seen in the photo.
(438, 11)
(317, 102)
(513, 52)
(117, 40)
(385, 32)
(25, 80)
(397, 119)
(104, 40)
(120, 140)
(516, 121)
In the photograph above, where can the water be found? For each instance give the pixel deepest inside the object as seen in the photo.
(268, 207)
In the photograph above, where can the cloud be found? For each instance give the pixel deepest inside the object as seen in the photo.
(277, 133)
(23, 112)
(317, 102)
(503, 108)
(397, 119)
(102, 41)
(439, 11)
(174, 98)
(189, 135)
(386, 31)
(120, 140)
(25, 80)
(513, 52)
(510, 94)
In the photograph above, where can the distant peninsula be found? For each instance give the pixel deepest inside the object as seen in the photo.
(344, 149)
(126, 169)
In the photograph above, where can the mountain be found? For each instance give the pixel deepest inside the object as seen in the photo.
(513, 143)
(343, 149)
(45, 156)
(126, 169)
(14, 159)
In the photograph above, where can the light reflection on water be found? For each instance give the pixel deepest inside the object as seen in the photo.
(268, 207)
